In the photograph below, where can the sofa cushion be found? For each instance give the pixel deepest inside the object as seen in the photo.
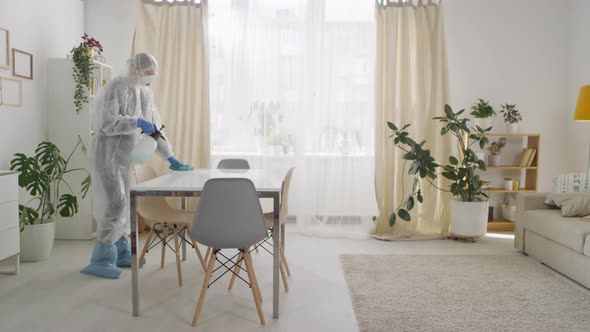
(587, 245)
(573, 204)
(570, 232)
(567, 183)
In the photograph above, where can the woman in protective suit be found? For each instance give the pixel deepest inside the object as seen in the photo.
(124, 108)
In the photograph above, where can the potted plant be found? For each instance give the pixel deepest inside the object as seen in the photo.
(470, 204)
(495, 149)
(43, 177)
(508, 184)
(511, 117)
(482, 113)
(83, 56)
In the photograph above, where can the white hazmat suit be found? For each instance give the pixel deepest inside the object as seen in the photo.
(120, 106)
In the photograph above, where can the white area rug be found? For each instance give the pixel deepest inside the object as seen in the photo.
(462, 293)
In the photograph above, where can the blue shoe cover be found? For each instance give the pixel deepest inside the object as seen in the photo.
(124, 252)
(102, 262)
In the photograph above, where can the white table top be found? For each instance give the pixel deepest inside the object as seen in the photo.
(265, 180)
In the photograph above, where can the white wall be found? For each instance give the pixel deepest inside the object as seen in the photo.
(578, 138)
(47, 29)
(112, 22)
(517, 52)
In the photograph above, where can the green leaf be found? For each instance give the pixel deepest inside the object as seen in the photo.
(86, 184)
(68, 205)
(391, 126)
(405, 215)
(405, 127)
(419, 196)
(392, 218)
(481, 165)
(453, 160)
(27, 215)
(450, 175)
(410, 203)
(50, 158)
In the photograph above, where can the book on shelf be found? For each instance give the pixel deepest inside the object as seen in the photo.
(524, 156)
(531, 157)
(528, 155)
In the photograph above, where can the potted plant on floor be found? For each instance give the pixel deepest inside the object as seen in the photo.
(43, 176)
(470, 204)
(483, 114)
(511, 117)
(495, 149)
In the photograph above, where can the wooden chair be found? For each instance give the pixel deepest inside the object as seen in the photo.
(229, 216)
(166, 223)
(269, 221)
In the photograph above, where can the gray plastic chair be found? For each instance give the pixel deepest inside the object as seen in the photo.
(233, 164)
(229, 216)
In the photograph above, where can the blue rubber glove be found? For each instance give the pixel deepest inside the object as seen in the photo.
(176, 165)
(147, 127)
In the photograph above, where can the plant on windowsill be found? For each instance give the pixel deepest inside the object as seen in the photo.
(511, 117)
(43, 176)
(470, 204)
(82, 56)
(483, 113)
(495, 149)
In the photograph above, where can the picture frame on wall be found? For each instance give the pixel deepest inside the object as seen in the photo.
(11, 92)
(4, 48)
(22, 64)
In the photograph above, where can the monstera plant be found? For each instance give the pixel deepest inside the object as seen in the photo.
(43, 176)
(460, 170)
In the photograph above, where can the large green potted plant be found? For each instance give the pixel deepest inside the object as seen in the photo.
(43, 177)
(470, 204)
(83, 57)
(483, 113)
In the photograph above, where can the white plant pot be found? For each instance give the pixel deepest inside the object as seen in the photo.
(36, 242)
(509, 212)
(508, 184)
(469, 219)
(484, 123)
(493, 160)
(512, 128)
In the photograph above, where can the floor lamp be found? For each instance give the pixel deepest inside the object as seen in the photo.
(583, 109)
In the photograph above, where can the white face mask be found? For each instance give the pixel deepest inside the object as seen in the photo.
(146, 80)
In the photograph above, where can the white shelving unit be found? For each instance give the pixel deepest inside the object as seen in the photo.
(9, 226)
(64, 128)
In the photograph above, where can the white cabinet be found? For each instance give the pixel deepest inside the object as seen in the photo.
(65, 126)
(9, 228)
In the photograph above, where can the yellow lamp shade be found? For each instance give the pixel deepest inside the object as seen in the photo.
(583, 105)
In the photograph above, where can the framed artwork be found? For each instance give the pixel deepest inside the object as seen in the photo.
(11, 92)
(4, 48)
(22, 64)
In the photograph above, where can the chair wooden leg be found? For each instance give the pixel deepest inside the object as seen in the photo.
(284, 260)
(164, 236)
(257, 285)
(236, 271)
(207, 253)
(199, 255)
(208, 273)
(146, 245)
(284, 276)
(254, 285)
(178, 259)
(256, 247)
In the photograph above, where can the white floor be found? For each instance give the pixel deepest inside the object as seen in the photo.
(54, 296)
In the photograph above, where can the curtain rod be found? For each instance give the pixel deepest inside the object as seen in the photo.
(408, 3)
(196, 3)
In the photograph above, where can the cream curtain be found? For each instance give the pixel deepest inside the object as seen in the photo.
(411, 87)
(176, 34)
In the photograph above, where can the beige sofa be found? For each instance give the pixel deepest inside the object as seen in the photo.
(563, 243)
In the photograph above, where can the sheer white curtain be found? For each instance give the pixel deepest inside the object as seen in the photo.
(292, 85)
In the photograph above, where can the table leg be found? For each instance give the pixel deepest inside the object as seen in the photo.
(276, 257)
(283, 237)
(184, 233)
(134, 265)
